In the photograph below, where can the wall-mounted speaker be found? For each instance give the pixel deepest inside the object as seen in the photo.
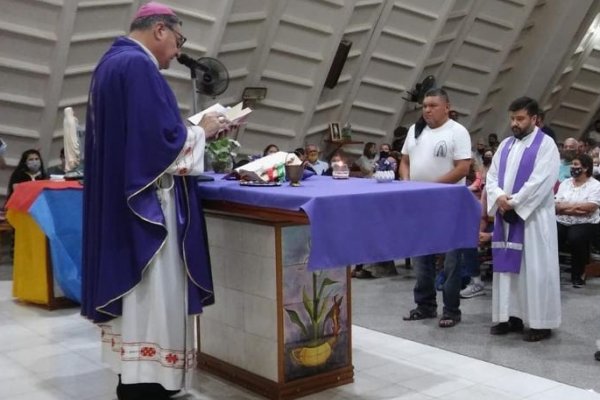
(338, 63)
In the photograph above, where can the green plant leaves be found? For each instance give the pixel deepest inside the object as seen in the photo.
(295, 318)
(222, 149)
(316, 308)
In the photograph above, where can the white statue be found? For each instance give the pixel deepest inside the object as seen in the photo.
(71, 141)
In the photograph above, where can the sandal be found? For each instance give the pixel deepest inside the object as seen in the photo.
(362, 274)
(535, 335)
(448, 321)
(417, 314)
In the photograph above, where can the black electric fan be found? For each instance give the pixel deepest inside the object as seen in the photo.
(418, 93)
(212, 77)
(209, 76)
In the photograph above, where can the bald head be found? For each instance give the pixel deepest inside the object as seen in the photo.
(570, 144)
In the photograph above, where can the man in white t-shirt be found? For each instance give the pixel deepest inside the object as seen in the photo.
(437, 149)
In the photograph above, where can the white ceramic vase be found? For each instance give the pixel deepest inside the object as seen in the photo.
(384, 176)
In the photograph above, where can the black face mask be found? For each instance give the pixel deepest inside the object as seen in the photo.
(481, 151)
(576, 171)
(487, 161)
(384, 154)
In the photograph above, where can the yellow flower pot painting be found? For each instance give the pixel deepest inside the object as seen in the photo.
(314, 311)
(319, 313)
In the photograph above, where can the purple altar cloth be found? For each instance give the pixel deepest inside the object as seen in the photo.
(358, 221)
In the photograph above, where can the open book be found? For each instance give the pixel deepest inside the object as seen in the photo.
(233, 114)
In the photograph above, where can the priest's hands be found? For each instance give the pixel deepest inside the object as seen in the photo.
(503, 203)
(214, 125)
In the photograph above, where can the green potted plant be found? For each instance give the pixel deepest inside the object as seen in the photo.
(222, 152)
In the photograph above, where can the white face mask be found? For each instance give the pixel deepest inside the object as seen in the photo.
(34, 165)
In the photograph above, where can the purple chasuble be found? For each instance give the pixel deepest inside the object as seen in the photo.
(134, 132)
(507, 253)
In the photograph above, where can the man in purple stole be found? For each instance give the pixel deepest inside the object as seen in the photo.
(146, 268)
(526, 286)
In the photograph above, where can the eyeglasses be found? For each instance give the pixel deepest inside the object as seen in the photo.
(179, 38)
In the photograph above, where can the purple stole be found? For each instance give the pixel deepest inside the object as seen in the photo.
(507, 253)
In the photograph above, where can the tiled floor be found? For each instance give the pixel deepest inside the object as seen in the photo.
(55, 356)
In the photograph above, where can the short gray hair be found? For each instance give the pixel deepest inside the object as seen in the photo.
(144, 23)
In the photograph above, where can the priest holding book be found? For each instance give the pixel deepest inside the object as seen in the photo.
(146, 269)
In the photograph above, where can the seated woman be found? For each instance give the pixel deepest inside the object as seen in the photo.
(336, 159)
(365, 165)
(30, 168)
(577, 214)
(270, 149)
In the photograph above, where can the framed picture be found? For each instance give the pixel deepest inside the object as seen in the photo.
(335, 132)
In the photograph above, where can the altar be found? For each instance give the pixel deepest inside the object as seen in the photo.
(281, 325)
(47, 217)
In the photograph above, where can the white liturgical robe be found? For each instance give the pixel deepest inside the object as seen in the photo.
(533, 294)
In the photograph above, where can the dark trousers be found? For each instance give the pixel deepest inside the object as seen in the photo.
(424, 291)
(469, 262)
(579, 238)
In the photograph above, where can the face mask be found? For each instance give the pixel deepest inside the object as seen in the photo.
(34, 165)
(481, 151)
(384, 154)
(487, 161)
(313, 158)
(576, 171)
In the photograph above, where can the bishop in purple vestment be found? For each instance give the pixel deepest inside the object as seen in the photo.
(140, 204)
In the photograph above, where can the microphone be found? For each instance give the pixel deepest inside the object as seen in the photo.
(193, 65)
(188, 61)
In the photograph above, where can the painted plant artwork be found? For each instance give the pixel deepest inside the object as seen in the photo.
(315, 311)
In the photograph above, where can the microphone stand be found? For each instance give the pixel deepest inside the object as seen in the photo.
(199, 178)
(194, 91)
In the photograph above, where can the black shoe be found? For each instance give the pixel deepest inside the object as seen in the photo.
(514, 324)
(578, 283)
(535, 335)
(500, 329)
(597, 355)
(143, 391)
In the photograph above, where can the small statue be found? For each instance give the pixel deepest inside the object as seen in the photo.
(72, 136)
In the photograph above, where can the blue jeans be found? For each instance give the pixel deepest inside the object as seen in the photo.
(469, 260)
(424, 291)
